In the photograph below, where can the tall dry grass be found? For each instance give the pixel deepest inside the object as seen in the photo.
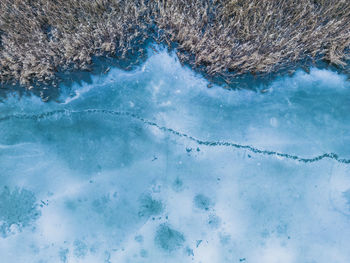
(225, 39)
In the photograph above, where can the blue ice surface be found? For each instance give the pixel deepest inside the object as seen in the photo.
(151, 165)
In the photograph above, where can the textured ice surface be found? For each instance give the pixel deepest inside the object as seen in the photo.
(152, 166)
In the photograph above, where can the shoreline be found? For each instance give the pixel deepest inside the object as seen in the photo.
(228, 42)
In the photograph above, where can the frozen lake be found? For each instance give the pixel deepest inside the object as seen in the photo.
(151, 165)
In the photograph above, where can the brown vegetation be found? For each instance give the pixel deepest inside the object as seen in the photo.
(226, 38)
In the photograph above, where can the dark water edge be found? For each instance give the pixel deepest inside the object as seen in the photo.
(51, 91)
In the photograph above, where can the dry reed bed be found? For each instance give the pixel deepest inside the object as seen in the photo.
(225, 39)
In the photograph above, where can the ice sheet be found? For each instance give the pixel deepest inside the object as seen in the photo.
(151, 165)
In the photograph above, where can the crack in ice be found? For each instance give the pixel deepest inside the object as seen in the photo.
(65, 112)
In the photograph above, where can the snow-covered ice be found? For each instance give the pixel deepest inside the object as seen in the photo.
(151, 165)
